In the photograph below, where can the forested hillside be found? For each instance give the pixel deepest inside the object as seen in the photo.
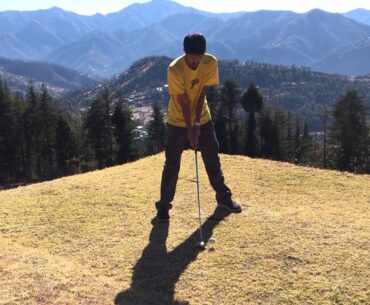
(59, 79)
(296, 89)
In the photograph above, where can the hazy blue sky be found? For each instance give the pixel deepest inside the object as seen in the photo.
(88, 7)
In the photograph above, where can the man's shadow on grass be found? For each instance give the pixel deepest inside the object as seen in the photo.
(157, 271)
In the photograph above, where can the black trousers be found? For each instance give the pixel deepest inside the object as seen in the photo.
(177, 141)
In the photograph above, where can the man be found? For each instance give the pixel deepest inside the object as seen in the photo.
(189, 121)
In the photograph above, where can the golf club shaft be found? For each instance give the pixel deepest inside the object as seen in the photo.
(197, 175)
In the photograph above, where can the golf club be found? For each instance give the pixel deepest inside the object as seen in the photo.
(201, 243)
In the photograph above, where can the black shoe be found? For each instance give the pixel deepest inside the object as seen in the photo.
(230, 206)
(162, 212)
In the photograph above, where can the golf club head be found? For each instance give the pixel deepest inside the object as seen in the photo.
(211, 240)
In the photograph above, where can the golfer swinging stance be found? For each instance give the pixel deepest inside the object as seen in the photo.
(189, 120)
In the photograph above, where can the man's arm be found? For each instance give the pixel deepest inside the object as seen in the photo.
(185, 105)
(200, 104)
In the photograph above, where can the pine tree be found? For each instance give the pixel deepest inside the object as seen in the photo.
(108, 132)
(269, 136)
(349, 133)
(306, 147)
(280, 126)
(47, 121)
(291, 139)
(324, 123)
(98, 125)
(65, 147)
(123, 127)
(220, 124)
(297, 142)
(6, 133)
(230, 95)
(213, 101)
(156, 131)
(252, 102)
(18, 137)
(32, 136)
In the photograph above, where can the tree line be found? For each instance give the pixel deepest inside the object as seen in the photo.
(245, 125)
(39, 140)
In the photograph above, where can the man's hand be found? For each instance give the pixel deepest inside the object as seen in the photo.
(193, 136)
(196, 129)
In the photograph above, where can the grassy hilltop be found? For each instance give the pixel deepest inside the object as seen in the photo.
(302, 238)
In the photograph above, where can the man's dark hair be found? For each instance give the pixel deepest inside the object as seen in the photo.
(195, 44)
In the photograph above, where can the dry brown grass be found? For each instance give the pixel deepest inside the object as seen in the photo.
(302, 238)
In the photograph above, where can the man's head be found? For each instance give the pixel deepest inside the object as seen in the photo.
(194, 47)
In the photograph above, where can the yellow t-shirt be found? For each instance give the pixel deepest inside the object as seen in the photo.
(182, 79)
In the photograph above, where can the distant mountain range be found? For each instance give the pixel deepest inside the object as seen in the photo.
(360, 15)
(59, 80)
(107, 44)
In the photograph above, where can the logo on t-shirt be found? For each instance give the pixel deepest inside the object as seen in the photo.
(194, 82)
